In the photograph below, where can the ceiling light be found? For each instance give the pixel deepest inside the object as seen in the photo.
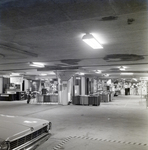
(81, 73)
(51, 73)
(15, 74)
(122, 68)
(98, 71)
(128, 73)
(91, 41)
(106, 75)
(43, 74)
(36, 64)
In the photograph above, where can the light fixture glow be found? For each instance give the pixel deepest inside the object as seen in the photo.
(127, 73)
(36, 64)
(81, 73)
(98, 71)
(15, 74)
(51, 73)
(91, 41)
(106, 75)
(43, 74)
(122, 68)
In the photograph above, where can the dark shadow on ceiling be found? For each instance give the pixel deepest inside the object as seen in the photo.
(71, 61)
(122, 57)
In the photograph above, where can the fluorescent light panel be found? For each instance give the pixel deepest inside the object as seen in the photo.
(98, 71)
(81, 73)
(91, 41)
(14, 74)
(36, 64)
(106, 75)
(122, 68)
(128, 73)
(43, 74)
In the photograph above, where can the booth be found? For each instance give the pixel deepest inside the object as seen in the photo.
(10, 97)
(47, 98)
(86, 100)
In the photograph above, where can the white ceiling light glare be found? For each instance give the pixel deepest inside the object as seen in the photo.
(99, 38)
(127, 73)
(92, 41)
(98, 71)
(106, 75)
(37, 64)
(15, 74)
(43, 74)
(122, 68)
(51, 73)
(81, 73)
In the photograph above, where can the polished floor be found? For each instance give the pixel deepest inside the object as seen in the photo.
(118, 125)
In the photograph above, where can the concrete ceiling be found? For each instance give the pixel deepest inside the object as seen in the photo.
(50, 31)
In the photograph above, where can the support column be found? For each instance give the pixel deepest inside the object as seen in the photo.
(83, 86)
(64, 86)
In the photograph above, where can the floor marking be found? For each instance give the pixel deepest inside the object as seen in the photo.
(60, 145)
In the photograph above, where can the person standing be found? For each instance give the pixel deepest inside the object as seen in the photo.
(28, 96)
(126, 88)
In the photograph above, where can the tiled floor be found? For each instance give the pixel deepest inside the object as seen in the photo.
(118, 125)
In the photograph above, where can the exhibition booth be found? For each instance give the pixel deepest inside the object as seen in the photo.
(81, 90)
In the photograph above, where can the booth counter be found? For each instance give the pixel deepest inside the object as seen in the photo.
(86, 100)
(10, 96)
(47, 98)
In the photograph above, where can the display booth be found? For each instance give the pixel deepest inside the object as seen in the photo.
(12, 89)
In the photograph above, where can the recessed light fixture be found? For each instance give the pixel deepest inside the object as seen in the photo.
(127, 73)
(43, 74)
(81, 73)
(15, 74)
(98, 71)
(51, 73)
(91, 41)
(106, 75)
(122, 68)
(37, 64)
